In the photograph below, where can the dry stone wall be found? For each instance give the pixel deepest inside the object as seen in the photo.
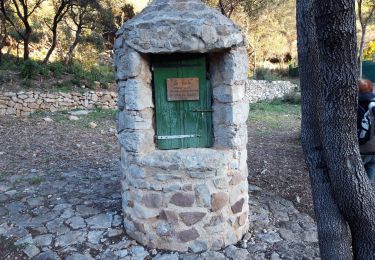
(257, 90)
(24, 103)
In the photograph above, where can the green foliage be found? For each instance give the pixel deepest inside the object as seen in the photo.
(95, 40)
(56, 68)
(36, 180)
(276, 114)
(26, 83)
(100, 73)
(293, 70)
(369, 52)
(63, 86)
(79, 75)
(277, 106)
(30, 69)
(100, 114)
(3, 175)
(9, 62)
(9, 247)
(255, 8)
(271, 74)
(293, 98)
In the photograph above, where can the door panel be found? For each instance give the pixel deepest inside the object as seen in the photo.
(185, 123)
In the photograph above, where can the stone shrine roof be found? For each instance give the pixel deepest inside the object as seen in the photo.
(168, 26)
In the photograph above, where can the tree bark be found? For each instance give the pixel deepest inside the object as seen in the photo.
(333, 232)
(53, 44)
(23, 10)
(255, 64)
(3, 36)
(362, 43)
(69, 55)
(335, 107)
(59, 15)
(222, 8)
(336, 33)
(26, 42)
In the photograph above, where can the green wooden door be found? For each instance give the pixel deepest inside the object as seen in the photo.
(182, 123)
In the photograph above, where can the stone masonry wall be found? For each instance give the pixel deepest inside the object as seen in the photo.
(257, 90)
(24, 103)
(186, 199)
(168, 26)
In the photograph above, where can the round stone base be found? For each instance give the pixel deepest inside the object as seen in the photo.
(188, 199)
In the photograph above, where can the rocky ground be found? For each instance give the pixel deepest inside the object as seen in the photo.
(60, 197)
(278, 164)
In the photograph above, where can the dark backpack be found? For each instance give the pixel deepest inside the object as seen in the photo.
(366, 128)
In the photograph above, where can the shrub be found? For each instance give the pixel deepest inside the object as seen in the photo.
(293, 98)
(30, 69)
(271, 74)
(79, 74)
(57, 68)
(76, 80)
(26, 83)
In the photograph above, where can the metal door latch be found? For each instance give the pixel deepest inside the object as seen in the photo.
(203, 110)
(167, 137)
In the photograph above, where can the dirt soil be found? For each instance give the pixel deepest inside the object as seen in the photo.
(30, 143)
(276, 163)
(55, 147)
(275, 156)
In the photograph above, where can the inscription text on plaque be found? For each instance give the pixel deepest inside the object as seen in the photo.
(182, 89)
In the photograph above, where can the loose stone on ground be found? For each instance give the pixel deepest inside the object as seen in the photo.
(90, 225)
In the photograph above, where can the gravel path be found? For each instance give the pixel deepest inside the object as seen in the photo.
(60, 199)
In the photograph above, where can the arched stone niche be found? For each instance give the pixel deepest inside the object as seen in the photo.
(183, 199)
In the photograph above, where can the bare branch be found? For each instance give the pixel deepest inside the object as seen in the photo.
(36, 6)
(4, 12)
(19, 14)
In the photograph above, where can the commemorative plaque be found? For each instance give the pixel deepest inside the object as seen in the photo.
(182, 89)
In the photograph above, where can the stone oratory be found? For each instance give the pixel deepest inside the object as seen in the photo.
(181, 69)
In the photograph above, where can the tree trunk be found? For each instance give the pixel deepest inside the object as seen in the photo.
(4, 34)
(26, 51)
(335, 107)
(222, 8)
(18, 51)
(53, 44)
(59, 15)
(336, 33)
(329, 85)
(333, 232)
(69, 56)
(255, 64)
(26, 42)
(361, 48)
